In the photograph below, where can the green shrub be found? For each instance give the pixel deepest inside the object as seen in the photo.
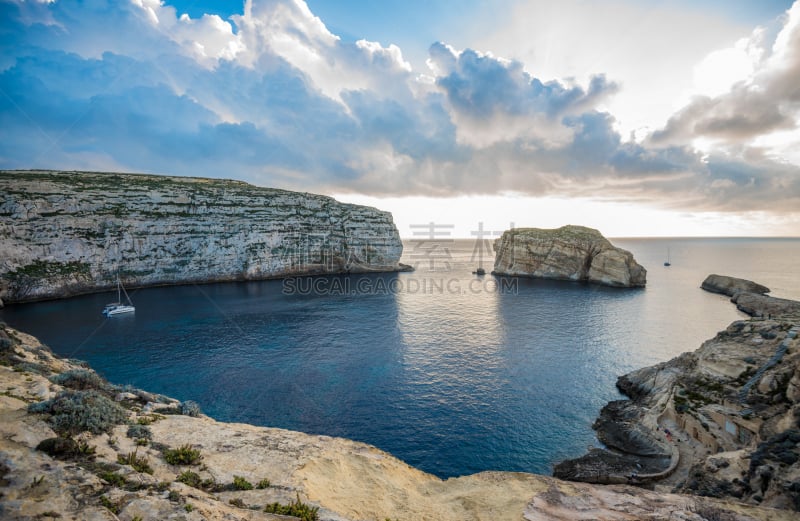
(190, 478)
(139, 432)
(239, 483)
(79, 379)
(110, 505)
(190, 408)
(139, 463)
(113, 478)
(58, 447)
(237, 502)
(5, 344)
(183, 455)
(264, 483)
(73, 412)
(31, 367)
(296, 508)
(174, 495)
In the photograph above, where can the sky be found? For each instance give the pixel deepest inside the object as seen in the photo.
(660, 118)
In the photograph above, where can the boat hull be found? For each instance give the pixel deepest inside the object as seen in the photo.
(118, 310)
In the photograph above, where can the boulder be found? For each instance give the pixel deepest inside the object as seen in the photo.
(731, 285)
(764, 306)
(567, 253)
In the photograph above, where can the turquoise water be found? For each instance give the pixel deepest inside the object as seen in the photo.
(447, 371)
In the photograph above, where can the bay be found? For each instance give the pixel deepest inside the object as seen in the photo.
(451, 372)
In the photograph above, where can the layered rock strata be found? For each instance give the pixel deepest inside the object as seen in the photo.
(64, 233)
(727, 414)
(567, 253)
(167, 464)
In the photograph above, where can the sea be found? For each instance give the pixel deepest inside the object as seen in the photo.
(452, 372)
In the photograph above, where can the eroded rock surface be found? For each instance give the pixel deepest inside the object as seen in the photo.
(728, 412)
(65, 233)
(568, 253)
(731, 285)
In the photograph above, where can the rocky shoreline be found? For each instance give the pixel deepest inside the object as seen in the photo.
(723, 421)
(73, 446)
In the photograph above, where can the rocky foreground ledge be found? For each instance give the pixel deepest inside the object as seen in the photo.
(74, 447)
(567, 253)
(65, 233)
(723, 421)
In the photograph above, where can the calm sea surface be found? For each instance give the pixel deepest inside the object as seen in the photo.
(447, 371)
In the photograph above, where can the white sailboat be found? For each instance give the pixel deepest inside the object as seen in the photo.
(118, 307)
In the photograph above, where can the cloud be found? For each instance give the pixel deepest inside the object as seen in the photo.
(494, 99)
(765, 101)
(273, 97)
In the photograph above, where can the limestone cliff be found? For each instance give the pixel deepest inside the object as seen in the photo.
(723, 421)
(64, 233)
(569, 253)
(160, 459)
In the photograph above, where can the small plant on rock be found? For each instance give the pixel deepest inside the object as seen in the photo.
(114, 508)
(190, 478)
(240, 483)
(183, 455)
(296, 508)
(139, 432)
(73, 412)
(190, 408)
(79, 379)
(113, 478)
(139, 463)
(237, 502)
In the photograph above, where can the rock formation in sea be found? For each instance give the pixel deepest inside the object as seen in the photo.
(731, 285)
(723, 421)
(74, 446)
(65, 233)
(568, 253)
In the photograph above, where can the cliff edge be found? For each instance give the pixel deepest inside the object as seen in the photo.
(65, 233)
(568, 253)
(73, 446)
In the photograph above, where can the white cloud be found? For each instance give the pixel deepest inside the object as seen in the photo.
(763, 100)
(272, 96)
(722, 68)
(649, 48)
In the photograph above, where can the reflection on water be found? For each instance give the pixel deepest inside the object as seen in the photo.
(439, 368)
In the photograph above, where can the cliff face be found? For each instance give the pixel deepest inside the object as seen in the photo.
(65, 233)
(235, 472)
(569, 253)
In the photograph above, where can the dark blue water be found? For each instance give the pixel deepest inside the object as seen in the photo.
(439, 368)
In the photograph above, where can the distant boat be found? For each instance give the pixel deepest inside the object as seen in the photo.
(118, 307)
(667, 262)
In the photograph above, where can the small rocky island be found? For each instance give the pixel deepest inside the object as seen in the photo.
(567, 253)
(723, 421)
(66, 233)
